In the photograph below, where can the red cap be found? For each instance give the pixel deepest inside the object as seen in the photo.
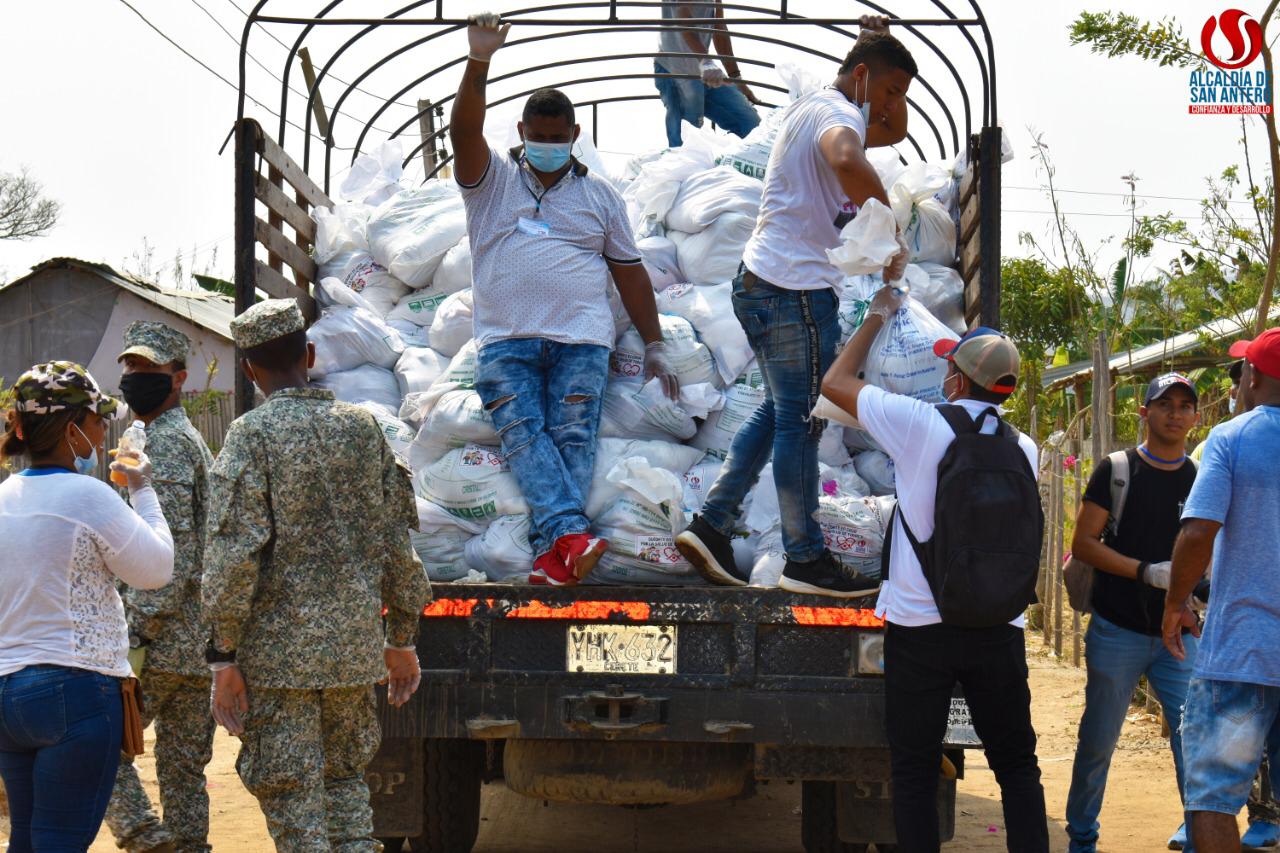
(1263, 352)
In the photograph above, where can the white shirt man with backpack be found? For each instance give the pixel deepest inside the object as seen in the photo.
(967, 497)
(1128, 522)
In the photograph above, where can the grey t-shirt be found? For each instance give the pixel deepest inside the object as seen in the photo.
(673, 41)
(540, 269)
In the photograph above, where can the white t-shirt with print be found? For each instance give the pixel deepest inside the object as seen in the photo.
(916, 436)
(803, 207)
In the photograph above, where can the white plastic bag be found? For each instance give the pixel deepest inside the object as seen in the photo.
(941, 290)
(854, 528)
(410, 233)
(442, 552)
(698, 481)
(340, 230)
(676, 458)
(689, 357)
(451, 327)
(399, 434)
(454, 273)
(367, 383)
(831, 449)
(459, 375)
(472, 483)
(901, 358)
(709, 310)
(867, 242)
(411, 335)
(659, 257)
(374, 177)
(457, 419)
(713, 255)
(502, 551)
(706, 195)
(641, 526)
(349, 334)
(631, 410)
(418, 307)
(750, 156)
(741, 400)
(876, 469)
(418, 368)
(650, 195)
(380, 289)
(921, 200)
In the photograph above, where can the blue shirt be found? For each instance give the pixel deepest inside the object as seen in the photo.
(1238, 486)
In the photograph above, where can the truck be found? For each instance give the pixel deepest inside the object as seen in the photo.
(637, 696)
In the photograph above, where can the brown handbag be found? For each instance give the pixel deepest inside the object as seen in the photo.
(131, 696)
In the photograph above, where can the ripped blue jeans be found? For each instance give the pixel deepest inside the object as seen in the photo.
(545, 399)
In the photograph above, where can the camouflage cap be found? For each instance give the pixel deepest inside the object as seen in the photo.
(156, 342)
(59, 385)
(266, 321)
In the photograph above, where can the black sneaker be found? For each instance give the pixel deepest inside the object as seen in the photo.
(825, 576)
(710, 552)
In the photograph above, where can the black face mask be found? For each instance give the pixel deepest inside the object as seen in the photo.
(145, 392)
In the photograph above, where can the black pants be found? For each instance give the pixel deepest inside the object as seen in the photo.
(921, 667)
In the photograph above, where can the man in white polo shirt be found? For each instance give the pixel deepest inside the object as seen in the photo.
(785, 298)
(545, 237)
(923, 658)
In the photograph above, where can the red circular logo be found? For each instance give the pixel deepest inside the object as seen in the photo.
(1230, 23)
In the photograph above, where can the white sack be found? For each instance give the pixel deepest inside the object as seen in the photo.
(921, 199)
(367, 383)
(502, 551)
(442, 552)
(709, 310)
(457, 419)
(705, 196)
(942, 292)
(452, 327)
(372, 281)
(418, 307)
(631, 410)
(831, 449)
(689, 357)
(349, 333)
(374, 177)
(876, 469)
(659, 257)
(641, 526)
(459, 375)
(713, 255)
(853, 529)
(741, 400)
(867, 242)
(698, 481)
(649, 197)
(676, 458)
(411, 335)
(410, 233)
(901, 358)
(473, 483)
(770, 559)
(340, 230)
(841, 481)
(418, 368)
(454, 273)
(399, 434)
(750, 155)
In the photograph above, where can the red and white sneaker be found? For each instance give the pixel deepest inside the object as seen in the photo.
(545, 567)
(579, 553)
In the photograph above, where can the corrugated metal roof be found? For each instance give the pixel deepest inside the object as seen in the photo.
(1133, 361)
(212, 311)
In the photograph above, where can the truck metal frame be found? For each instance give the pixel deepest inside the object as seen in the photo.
(781, 686)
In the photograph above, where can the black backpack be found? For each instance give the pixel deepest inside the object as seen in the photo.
(984, 557)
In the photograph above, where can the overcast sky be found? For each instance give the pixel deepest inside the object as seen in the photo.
(123, 129)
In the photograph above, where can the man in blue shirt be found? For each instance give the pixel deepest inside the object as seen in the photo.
(1233, 703)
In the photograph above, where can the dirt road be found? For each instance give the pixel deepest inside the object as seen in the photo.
(1140, 812)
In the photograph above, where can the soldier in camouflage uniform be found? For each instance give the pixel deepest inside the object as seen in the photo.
(307, 542)
(166, 622)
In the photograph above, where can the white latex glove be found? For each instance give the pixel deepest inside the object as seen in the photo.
(485, 34)
(656, 364)
(1158, 574)
(886, 302)
(713, 75)
(897, 266)
(138, 474)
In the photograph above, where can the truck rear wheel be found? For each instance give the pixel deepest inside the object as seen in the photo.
(451, 801)
(626, 772)
(818, 829)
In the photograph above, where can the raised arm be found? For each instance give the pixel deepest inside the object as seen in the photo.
(466, 121)
(842, 384)
(843, 151)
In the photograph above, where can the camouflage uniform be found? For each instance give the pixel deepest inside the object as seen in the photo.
(175, 678)
(307, 541)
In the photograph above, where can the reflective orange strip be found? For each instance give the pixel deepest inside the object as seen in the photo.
(841, 616)
(451, 607)
(635, 611)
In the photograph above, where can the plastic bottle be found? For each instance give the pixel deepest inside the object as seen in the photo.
(134, 439)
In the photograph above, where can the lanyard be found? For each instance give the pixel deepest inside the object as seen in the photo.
(537, 199)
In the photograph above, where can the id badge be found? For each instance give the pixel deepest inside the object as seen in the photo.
(533, 227)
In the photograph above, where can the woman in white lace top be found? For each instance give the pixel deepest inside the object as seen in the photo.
(65, 539)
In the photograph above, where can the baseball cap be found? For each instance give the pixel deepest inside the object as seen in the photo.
(1263, 352)
(1161, 385)
(55, 386)
(985, 356)
(266, 321)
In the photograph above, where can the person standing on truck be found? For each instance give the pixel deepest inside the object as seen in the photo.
(701, 87)
(546, 235)
(307, 543)
(166, 622)
(784, 297)
(925, 656)
(1131, 572)
(1232, 515)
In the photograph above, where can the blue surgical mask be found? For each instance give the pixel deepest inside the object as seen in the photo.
(864, 107)
(1231, 405)
(88, 464)
(547, 156)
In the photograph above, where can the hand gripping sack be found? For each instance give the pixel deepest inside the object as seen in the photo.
(983, 558)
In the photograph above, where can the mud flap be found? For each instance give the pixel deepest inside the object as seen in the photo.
(864, 812)
(395, 780)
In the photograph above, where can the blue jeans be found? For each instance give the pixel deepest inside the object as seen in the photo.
(545, 399)
(1115, 658)
(691, 100)
(1227, 726)
(60, 731)
(793, 334)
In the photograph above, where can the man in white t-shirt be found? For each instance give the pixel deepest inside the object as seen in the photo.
(923, 658)
(784, 296)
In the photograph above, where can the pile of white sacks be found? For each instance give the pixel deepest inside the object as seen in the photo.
(395, 337)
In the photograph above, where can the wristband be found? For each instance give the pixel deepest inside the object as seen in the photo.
(478, 59)
(221, 665)
(1142, 573)
(390, 648)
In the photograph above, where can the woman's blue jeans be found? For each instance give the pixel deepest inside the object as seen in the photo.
(60, 732)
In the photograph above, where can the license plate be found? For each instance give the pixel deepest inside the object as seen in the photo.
(635, 649)
(960, 725)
